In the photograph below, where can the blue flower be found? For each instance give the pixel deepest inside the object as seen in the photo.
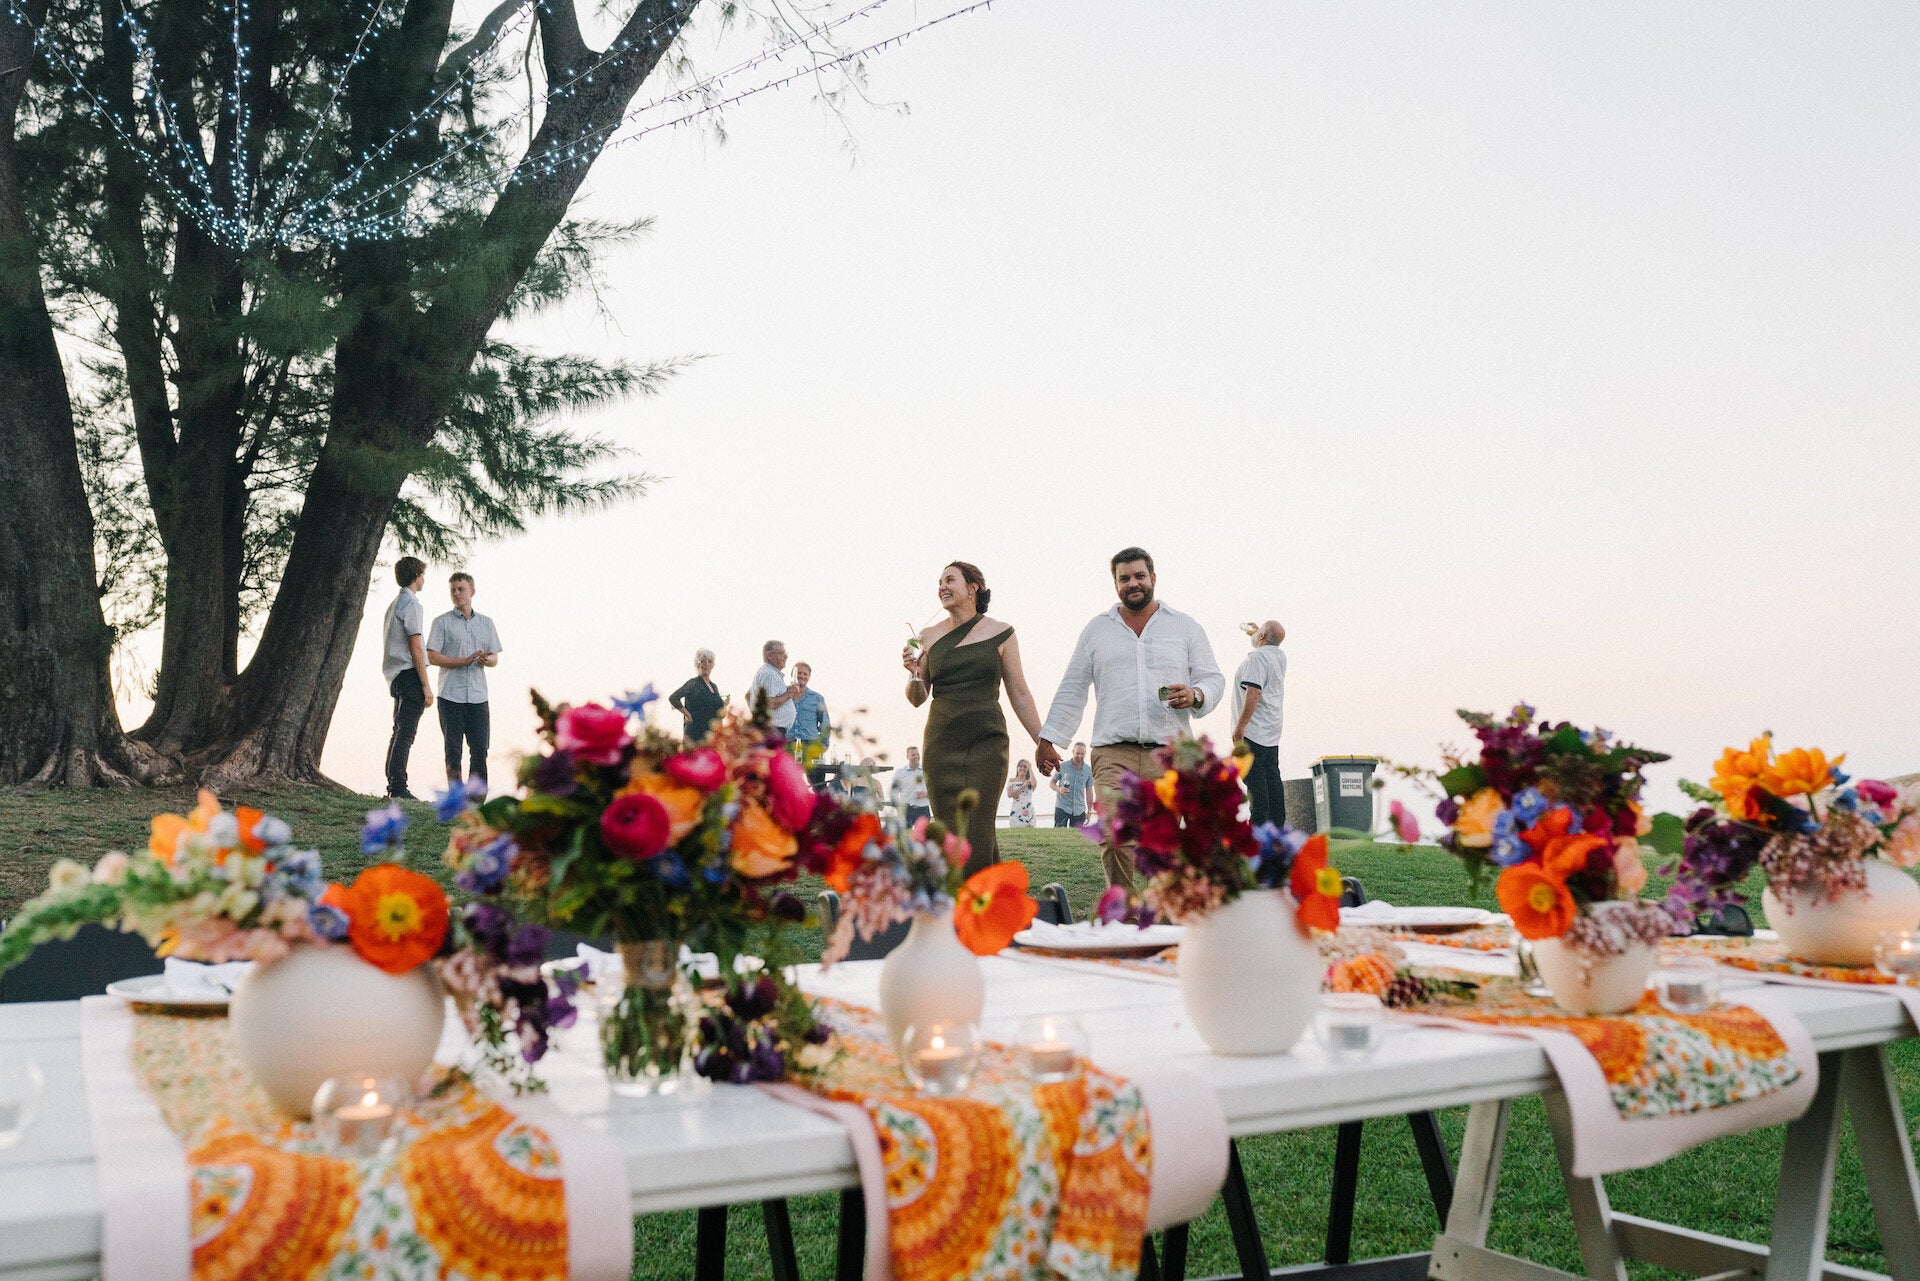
(300, 869)
(450, 804)
(1505, 823)
(272, 832)
(384, 830)
(671, 870)
(487, 870)
(634, 701)
(1836, 778)
(328, 921)
(1508, 850)
(1848, 800)
(1528, 805)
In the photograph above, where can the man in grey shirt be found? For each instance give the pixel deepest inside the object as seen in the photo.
(403, 665)
(1072, 782)
(463, 645)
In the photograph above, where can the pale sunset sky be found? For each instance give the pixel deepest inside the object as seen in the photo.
(1553, 351)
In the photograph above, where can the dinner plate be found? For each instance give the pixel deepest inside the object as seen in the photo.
(1421, 920)
(149, 994)
(1084, 939)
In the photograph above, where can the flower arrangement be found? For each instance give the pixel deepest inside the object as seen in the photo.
(623, 830)
(1796, 816)
(1197, 853)
(886, 874)
(1556, 809)
(217, 885)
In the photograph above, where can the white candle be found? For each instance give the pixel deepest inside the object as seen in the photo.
(942, 1068)
(1049, 1060)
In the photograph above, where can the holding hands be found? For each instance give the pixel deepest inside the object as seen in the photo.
(1046, 757)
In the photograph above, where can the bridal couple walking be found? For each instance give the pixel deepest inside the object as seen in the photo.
(1149, 667)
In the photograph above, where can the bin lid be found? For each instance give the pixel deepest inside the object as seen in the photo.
(1346, 760)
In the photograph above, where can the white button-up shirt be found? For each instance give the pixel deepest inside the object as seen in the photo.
(769, 679)
(456, 635)
(1126, 672)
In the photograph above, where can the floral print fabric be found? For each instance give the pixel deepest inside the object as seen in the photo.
(1013, 1180)
(466, 1190)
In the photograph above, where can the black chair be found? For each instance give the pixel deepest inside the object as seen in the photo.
(68, 969)
(1729, 919)
(564, 945)
(873, 949)
(1352, 893)
(1054, 908)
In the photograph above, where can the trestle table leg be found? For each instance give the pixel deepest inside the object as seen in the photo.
(1246, 1229)
(850, 1247)
(1880, 1131)
(1471, 1211)
(784, 1265)
(1432, 1146)
(710, 1244)
(1346, 1188)
(1587, 1198)
(1149, 1261)
(1173, 1245)
(1804, 1196)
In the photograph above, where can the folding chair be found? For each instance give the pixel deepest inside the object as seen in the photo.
(68, 969)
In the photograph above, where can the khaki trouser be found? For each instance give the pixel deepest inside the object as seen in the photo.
(1109, 764)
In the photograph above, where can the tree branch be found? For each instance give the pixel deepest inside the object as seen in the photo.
(483, 39)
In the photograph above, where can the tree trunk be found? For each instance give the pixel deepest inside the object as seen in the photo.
(60, 725)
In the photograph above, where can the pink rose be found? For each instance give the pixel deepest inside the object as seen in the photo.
(1405, 826)
(791, 799)
(593, 733)
(636, 826)
(703, 768)
(1877, 794)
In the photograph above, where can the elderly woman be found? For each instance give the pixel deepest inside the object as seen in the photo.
(698, 701)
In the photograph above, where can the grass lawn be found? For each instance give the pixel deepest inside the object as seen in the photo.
(1724, 1187)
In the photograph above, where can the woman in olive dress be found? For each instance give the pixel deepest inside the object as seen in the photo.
(960, 664)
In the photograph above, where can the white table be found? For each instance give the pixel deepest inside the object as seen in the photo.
(741, 1146)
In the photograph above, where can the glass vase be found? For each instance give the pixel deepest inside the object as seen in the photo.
(644, 1030)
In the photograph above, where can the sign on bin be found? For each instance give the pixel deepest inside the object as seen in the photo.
(1353, 785)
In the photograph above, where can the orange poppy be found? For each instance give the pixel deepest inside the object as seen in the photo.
(992, 907)
(1539, 903)
(844, 859)
(1736, 774)
(1565, 856)
(396, 919)
(761, 847)
(249, 818)
(1316, 887)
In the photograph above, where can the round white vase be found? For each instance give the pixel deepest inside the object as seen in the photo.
(930, 978)
(322, 1011)
(1250, 976)
(1585, 984)
(1842, 931)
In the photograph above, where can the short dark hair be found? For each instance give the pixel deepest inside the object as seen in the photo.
(460, 576)
(407, 570)
(1126, 554)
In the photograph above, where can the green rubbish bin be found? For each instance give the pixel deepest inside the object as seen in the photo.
(1343, 792)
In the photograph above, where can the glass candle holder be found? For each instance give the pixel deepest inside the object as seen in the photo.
(1050, 1047)
(1688, 984)
(355, 1115)
(1349, 1025)
(1896, 954)
(941, 1058)
(21, 1088)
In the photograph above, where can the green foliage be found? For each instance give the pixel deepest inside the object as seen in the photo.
(1668, 836)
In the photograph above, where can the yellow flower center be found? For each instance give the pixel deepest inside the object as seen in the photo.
(1541, 898)
(1327, 881)
(396, 916)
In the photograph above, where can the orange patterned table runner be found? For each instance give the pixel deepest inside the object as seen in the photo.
(1011, 1180)
(1770, 956)
(468, 1189)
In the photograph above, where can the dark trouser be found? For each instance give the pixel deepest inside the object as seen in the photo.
(467, 722)
(409, 702)
(1265, 791)
(917, 812)
(1063, 818)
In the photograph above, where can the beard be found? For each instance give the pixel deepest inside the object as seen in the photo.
(1137, 598)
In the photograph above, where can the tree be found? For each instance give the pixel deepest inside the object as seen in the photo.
(294, 227)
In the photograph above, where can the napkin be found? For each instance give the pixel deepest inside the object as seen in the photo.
(1115, 934)
(192, 980)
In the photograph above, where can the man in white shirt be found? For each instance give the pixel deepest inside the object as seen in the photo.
(463, 644)
(1151, 669)
(403, 665)
(910, 790)
(1258, 691)
(769, 681)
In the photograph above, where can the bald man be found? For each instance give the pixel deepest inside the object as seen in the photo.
(1258, 697)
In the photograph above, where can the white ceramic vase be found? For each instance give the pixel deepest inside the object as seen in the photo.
(930, 978)
(1250, 976)
(322, 1012)
(1585, 984)
(1842, 931)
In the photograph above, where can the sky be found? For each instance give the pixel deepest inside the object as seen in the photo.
(1552, 351)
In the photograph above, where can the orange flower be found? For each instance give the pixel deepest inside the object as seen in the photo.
(1565, 856)
(1737, 773)
(992, 907)
(1540, 905)
(1801, 772)
(396, 919)
(1474, 824)
(249, 818)
(683, 804)
(1166, 786)
(167, 829)
(844, 859)
(761, 847)
(1370, 972)
(1316, 887)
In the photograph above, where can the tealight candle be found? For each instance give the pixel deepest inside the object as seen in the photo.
(1050, 1047)
(1689, 984)
(940, 1059)
(356, 1115)
(1348, 1024)
(1896, 954)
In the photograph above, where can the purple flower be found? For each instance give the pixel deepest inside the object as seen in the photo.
(557, 774)
(385, 829)
(328, 921)
(1112, 908)
(528, 946)
(487, 867)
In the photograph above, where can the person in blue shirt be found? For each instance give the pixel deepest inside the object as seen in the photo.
(810, 727)
(1073, 783)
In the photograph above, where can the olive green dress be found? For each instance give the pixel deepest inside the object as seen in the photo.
(966, 744)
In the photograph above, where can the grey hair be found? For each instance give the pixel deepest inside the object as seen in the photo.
(770, 646)
(707, 654)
